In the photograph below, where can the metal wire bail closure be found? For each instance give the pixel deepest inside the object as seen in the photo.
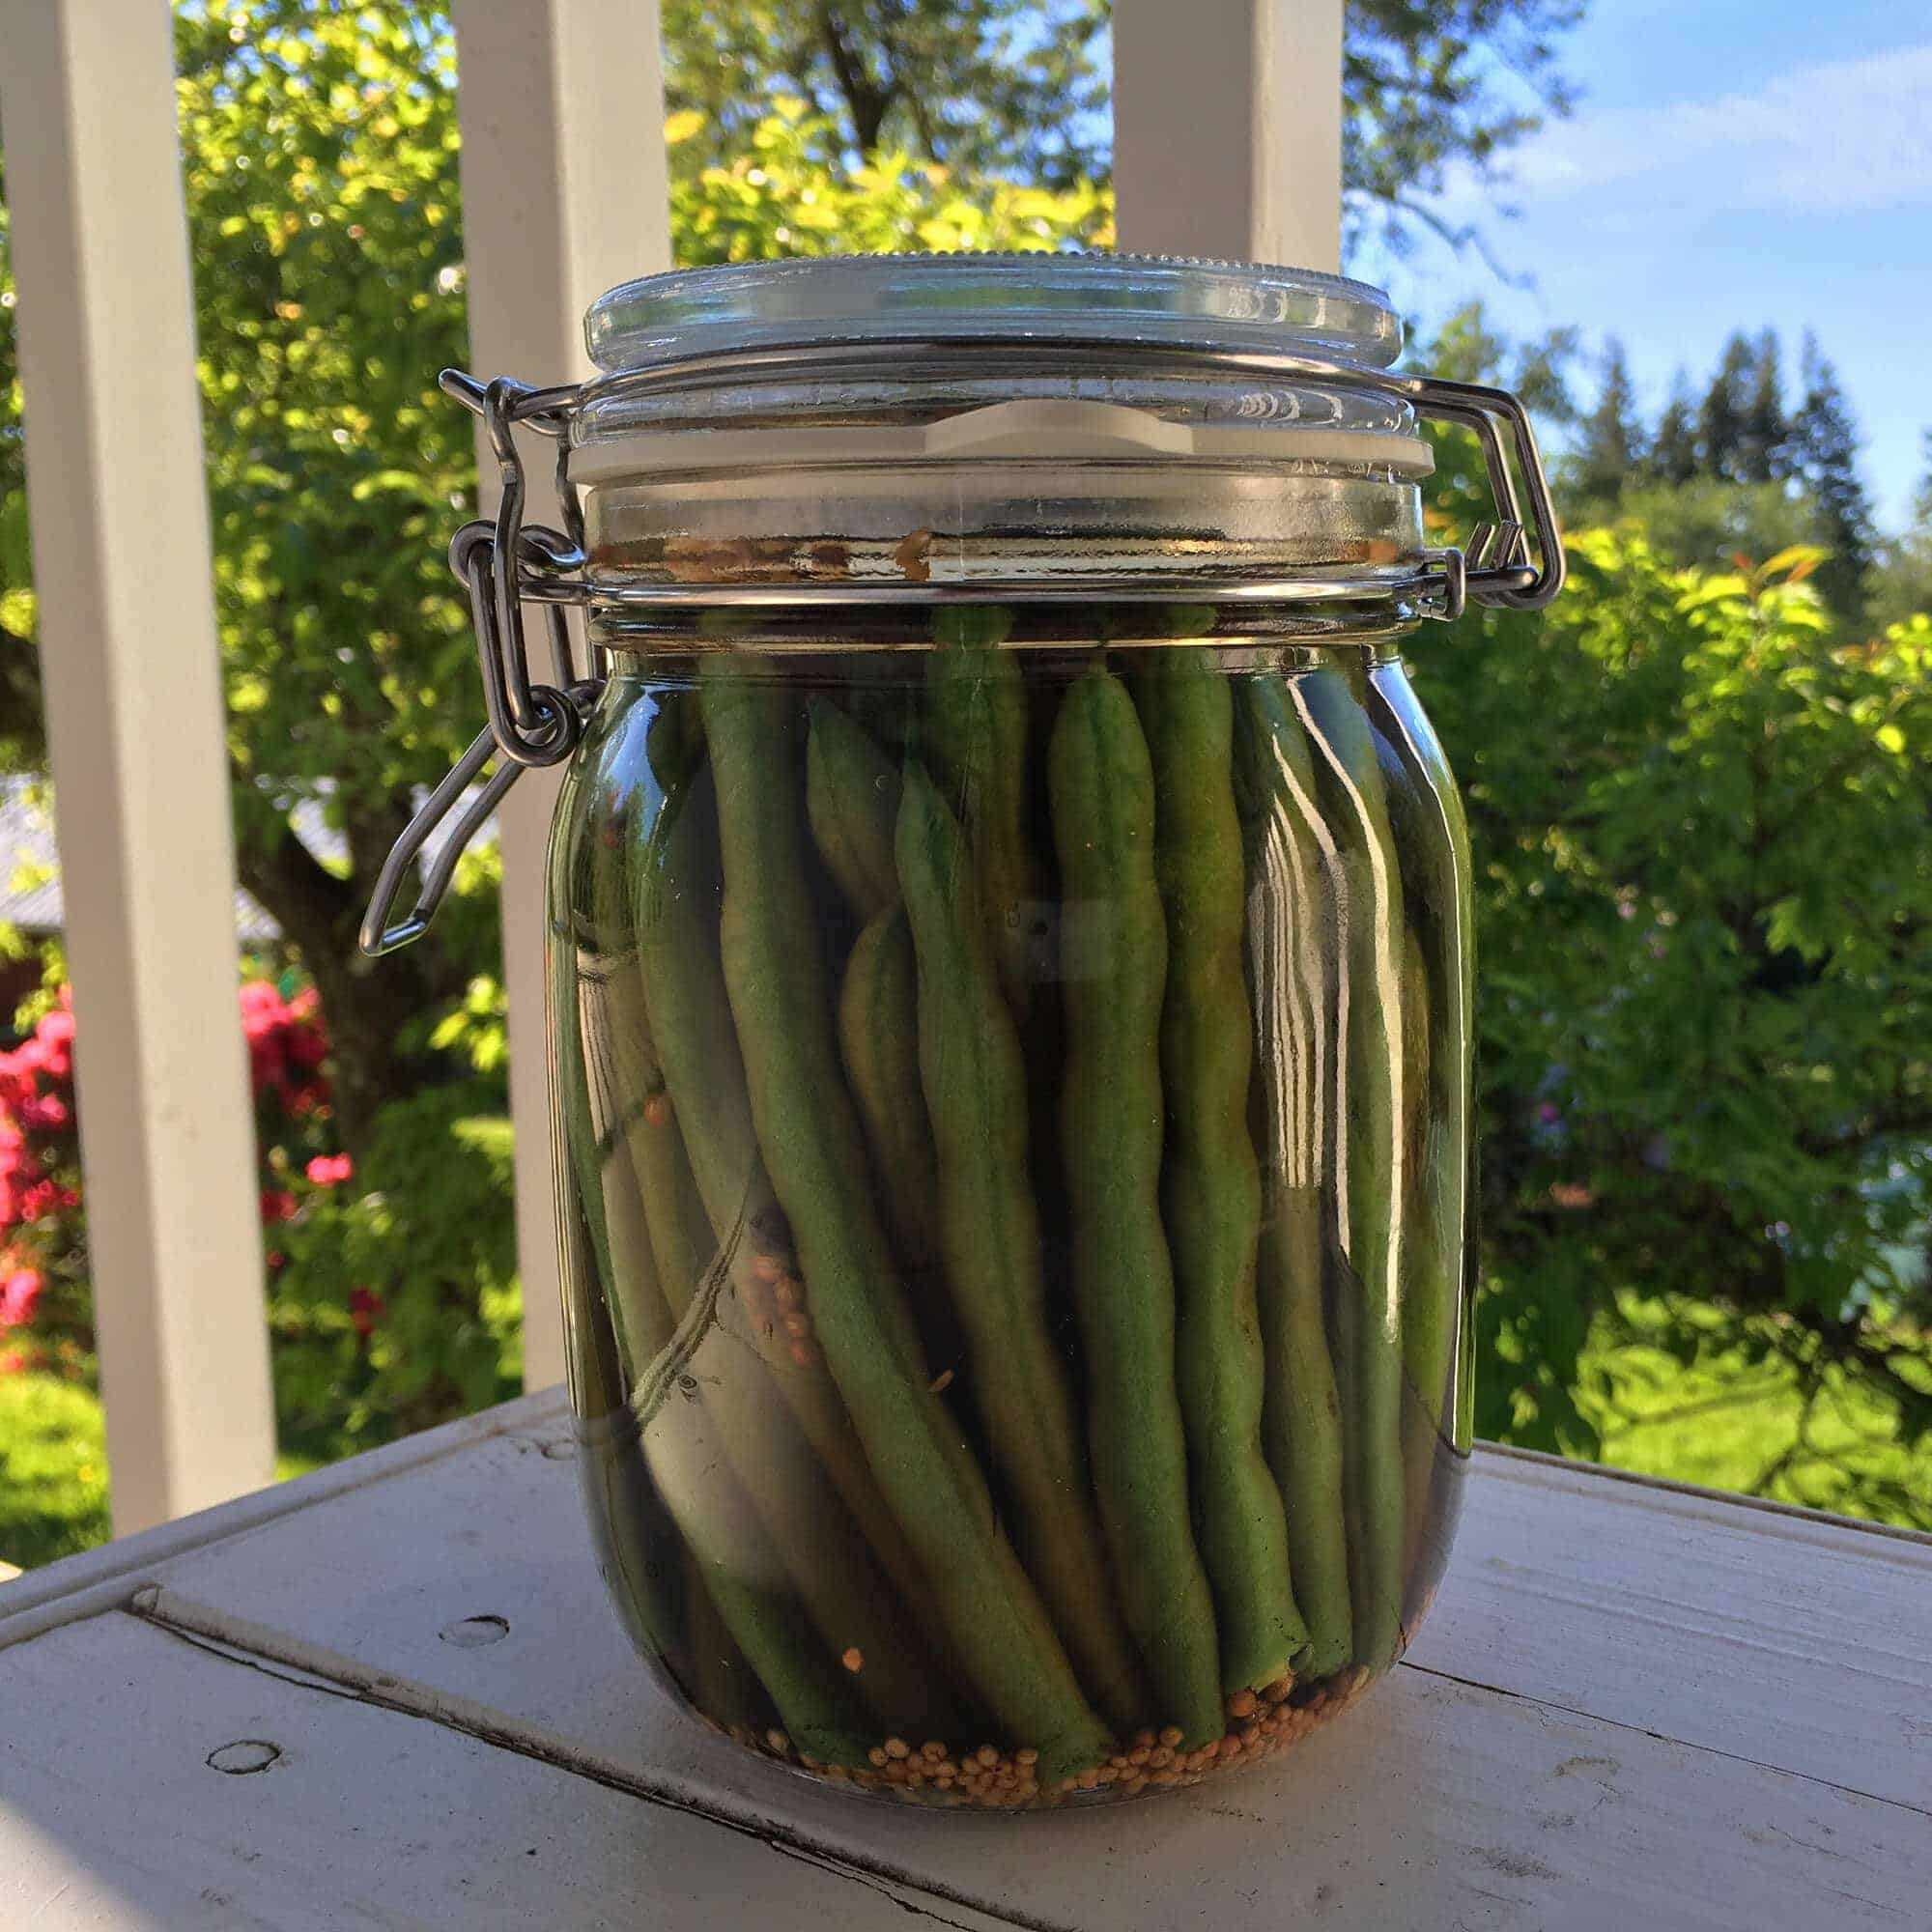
(530, 723)
(506, 563)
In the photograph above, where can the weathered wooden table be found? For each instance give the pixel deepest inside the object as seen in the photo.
(393, 1695)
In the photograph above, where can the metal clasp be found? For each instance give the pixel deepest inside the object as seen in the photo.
(502, 564)
(1496, 567)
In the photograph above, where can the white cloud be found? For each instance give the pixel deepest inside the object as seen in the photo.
(1842, 135)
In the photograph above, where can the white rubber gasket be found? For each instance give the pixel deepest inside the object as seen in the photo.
(1033, 429)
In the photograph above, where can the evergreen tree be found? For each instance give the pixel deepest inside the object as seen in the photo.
(1612, 445)
(1674, 450)
(1824, 452)
(1722, 417)
(1762, 454)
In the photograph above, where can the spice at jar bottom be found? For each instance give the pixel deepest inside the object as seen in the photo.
(1013, 1105)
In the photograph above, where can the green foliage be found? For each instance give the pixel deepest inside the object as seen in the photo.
(993, 88)
(779, 198)
(1611, 444)
(1703, 892)
(1740, 473)
(1706, 524)
(1825, 459)
(393, 1304)
(1017, 88)
(1429, 88)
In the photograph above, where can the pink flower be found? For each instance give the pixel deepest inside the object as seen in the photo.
(18, 1293)
(44, 1114)
(55, 1035)
(327, 1169)
(277, 1204)
(45, 1197)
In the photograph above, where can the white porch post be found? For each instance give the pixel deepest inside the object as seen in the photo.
(137, 735)
(562, 104)
(1228, 128)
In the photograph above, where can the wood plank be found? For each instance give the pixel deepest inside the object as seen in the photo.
(112, 1815)
(1801, 1642)
(137, 735)
(1514, 1810)
(1228, 128)
(106, 1576)
(1438, 1805)
(561, 108)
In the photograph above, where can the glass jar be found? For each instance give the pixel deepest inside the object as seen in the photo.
(1009, 972)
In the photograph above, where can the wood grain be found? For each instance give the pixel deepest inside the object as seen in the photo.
(1631, 1705)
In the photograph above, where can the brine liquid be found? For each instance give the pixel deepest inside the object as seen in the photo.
(1014, 1114)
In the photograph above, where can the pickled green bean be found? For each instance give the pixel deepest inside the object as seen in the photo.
(976, 743)
(852, 800)
(1100, 784)
(1211, 1183)
(809, 1132)
(975, 1090)
(689, 1018)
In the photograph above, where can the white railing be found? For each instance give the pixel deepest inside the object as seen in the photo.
(1226, 143)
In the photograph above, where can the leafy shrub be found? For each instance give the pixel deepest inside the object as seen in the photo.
(391, 1299)
(1704, 895)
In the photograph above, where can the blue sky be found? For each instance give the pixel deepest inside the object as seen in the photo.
(1731, 163)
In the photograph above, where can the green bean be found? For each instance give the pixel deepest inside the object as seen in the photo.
(878, 1043)
(852, 800)
(976, 741)
(690, 1017)
(642, 1125)
(1291, 858)
(832, 1568)
(1210, 1185)
(1115, 970)
(745, 1574)
(810, 1135)
(723, 1685)
(1373, 1172)
(975, 1089)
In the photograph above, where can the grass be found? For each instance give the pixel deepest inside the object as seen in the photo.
(53, 1468)
(1745, 1416)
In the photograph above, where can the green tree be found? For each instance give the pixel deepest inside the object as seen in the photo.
(1706, 524)
(1673, 450)
(1762, 456)
(1724, 414)
(1824, 459)
(986, 87)
(1610, 452)
(1901, 579)
(1019, 87)
(1428, 89)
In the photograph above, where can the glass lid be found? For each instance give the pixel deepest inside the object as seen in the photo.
(1122, 300)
